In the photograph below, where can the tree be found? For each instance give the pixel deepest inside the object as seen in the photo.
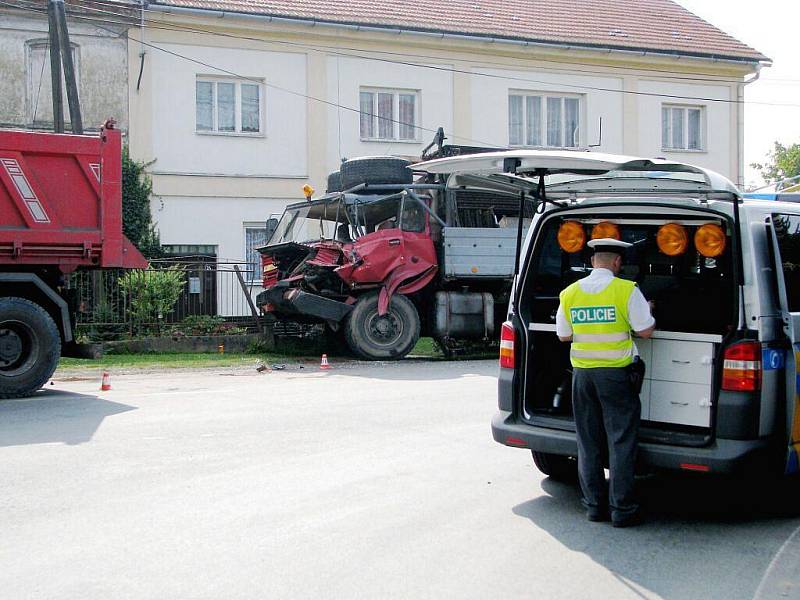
(784, 162)
(137, 222)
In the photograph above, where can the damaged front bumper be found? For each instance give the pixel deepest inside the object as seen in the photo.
(294, 302)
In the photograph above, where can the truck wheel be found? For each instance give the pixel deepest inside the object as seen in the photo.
(387, 337)
(334, 182)
(29, 347)
(375, 170)
(556, 466)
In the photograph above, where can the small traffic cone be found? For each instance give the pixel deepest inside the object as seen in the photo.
(105, 385)
(324, 364)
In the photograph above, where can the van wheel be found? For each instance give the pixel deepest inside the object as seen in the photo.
(388, 337)
(556, 466)
(29, 347)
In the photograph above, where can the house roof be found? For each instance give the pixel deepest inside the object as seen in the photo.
(660, 26)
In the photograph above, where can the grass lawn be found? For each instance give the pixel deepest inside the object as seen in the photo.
(424, 348)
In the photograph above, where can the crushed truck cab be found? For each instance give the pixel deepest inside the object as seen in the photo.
(395, 255)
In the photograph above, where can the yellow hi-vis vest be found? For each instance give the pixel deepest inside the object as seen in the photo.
(601, 331)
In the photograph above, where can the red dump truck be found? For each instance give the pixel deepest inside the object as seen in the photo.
(61, 210)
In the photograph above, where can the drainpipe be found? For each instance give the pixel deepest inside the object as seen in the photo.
(740, 122)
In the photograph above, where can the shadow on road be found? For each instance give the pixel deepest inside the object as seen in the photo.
(54, 416)
(703, 538)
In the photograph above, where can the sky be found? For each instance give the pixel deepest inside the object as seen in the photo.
(770, 26)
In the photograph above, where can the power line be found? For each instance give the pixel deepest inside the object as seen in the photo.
(567, 65)
(335, 51)
(95, 20)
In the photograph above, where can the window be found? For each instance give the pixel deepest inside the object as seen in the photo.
(255, 235)
(682, 127)
(543, 120)
(412, 216)
(39, 83)
(787, 230)
(388, 115)
(224, 106)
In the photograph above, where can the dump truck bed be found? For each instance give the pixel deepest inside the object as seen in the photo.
(61, 201)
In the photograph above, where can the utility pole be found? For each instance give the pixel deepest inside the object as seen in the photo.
(55, 69)
(69, 67)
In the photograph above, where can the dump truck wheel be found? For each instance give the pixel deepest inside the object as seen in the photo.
(556, 466)
(388, 337)
(375, 170)
(30, 346)
(334, 182)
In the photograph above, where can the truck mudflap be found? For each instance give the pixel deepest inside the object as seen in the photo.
(721, 456)
(294, 301)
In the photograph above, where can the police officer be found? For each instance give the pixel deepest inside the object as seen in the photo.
(597, 315)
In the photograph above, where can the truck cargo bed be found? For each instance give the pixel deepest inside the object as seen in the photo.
(61, 201)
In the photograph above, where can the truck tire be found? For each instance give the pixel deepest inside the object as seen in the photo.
(375, 170)
(30, 346)
(556, 466)
(388, 337)
(334, 182)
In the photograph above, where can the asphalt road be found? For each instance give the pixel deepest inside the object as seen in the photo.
(367, 481)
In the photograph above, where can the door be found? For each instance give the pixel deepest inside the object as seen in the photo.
(786, 245)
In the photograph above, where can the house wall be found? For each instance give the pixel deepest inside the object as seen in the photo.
(208, 186)
(101, 59)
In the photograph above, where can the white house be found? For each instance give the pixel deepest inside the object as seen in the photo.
(242, 102)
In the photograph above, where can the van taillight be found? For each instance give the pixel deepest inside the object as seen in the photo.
(741, 368)
(507, 339)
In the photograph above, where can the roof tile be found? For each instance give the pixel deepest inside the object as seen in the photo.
(655, 25)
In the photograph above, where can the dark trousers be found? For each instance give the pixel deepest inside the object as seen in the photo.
(606, 418)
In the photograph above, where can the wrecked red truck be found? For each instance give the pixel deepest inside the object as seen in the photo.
(61, 201)
(392, 258)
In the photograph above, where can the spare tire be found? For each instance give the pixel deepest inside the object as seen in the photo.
(334, 182)
(374, 171)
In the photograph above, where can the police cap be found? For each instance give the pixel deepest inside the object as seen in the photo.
(609, 245)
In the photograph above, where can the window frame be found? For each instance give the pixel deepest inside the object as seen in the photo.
(396, 93)
(237, 103)
(702, 133)
(254, 277)
(544, 96)
(32, 46)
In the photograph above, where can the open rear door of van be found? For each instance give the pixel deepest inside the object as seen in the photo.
(786, 244)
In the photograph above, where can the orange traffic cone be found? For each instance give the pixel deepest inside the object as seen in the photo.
(324, 364)
(105, 385)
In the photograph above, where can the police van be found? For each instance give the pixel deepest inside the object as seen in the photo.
(720, 387)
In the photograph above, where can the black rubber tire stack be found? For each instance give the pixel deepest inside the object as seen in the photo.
(374, 171)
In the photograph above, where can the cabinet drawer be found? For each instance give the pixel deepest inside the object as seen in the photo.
(644, 397)
(684, 362)
(680, 403)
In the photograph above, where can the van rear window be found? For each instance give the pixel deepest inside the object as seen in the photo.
(692, 293)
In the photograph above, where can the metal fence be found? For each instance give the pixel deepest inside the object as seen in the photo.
(210, 289)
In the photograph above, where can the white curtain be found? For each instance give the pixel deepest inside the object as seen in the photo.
(204, 102)
(407, 116)
(226, 107)
(251, 108)
(367, 101)
(533, 129)
(515, 120)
